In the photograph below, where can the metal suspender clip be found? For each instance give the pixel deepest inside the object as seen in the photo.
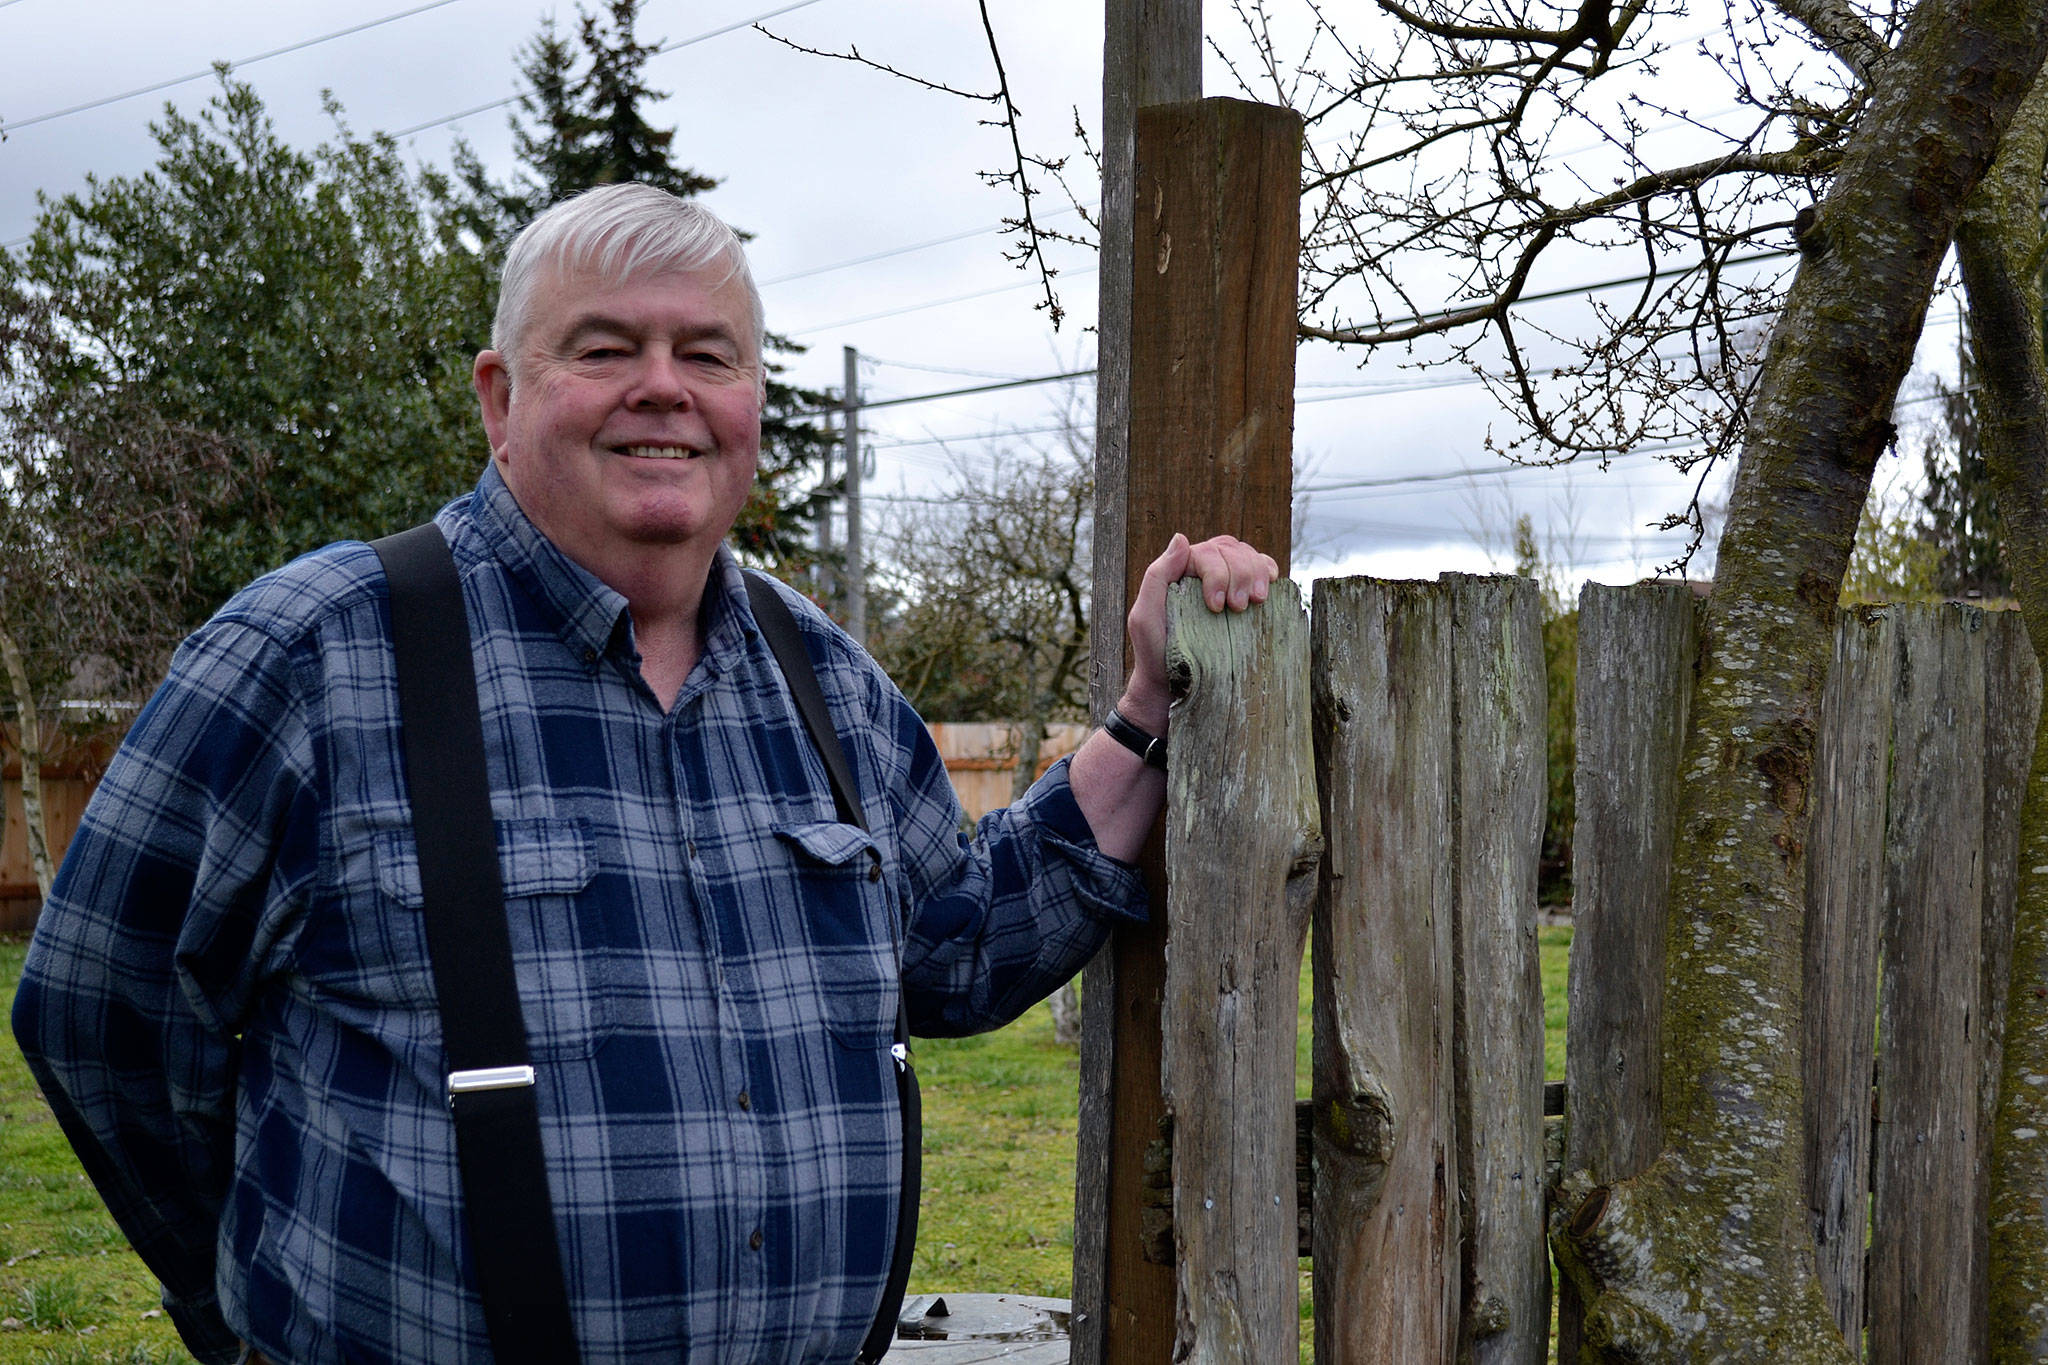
(487, 1078)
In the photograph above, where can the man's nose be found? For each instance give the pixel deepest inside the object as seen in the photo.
(660, 380)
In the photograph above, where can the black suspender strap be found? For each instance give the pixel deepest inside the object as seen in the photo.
(786, 643)
(490, 1080)
(469, 949)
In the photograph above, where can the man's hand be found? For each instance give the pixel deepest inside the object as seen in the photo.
(1233, 574)
(1119, 795)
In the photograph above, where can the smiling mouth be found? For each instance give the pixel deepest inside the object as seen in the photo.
(660, 452)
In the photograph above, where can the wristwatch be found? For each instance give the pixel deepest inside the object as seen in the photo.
(1150, 748)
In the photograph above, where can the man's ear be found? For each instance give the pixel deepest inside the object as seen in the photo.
(493, 382)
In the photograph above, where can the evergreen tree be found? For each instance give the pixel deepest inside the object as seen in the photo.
(619, 144)
(298, 308)
(580, 123)
(1958, 515)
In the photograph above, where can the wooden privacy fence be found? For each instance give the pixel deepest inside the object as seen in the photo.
(1424, 729)
(980, 757)
(72, 763)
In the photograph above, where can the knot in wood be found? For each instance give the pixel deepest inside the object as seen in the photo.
(1787, 769)
(1808, 233)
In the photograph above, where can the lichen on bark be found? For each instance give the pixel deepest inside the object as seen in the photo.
(1998, 244)
(1708, 1254)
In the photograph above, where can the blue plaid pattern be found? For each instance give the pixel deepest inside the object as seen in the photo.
(228, 1003)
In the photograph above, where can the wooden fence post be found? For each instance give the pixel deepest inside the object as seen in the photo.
(2012, 704)
(1215, 255)
(1844, 888)
(1499, 697)
(1151, 54)
(1636, 651)
(1924, 1273)
(1386, 1205)
(1242, 840)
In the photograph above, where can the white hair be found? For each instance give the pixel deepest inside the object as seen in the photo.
(619, 232)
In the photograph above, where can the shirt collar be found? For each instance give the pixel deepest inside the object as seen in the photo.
(586, 612)
(581, 608)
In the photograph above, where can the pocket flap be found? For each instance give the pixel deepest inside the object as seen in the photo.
(827, 841)
(535, 858)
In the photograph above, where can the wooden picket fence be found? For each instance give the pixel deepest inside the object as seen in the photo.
(1425, 741)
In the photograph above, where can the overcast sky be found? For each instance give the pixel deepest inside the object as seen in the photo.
(872, 228)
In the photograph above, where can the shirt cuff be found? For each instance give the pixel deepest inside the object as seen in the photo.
(205, 1332)
(1107, 887)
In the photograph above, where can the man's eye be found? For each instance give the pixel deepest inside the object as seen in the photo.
(602, 353)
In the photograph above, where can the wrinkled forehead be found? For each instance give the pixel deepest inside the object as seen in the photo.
(572, 296)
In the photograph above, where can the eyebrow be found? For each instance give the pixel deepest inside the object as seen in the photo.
(605, 323)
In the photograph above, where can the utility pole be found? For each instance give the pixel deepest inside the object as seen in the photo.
(856, 569)
(821, 528)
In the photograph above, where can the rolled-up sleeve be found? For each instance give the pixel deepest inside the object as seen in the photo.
(143, 962)
(1019, 908)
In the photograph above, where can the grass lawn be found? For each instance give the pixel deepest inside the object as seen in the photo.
(71, 1292)
(997, 1213)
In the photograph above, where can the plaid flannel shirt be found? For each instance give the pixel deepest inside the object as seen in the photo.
(229, 1007)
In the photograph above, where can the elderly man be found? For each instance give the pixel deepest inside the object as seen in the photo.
(229, 1002)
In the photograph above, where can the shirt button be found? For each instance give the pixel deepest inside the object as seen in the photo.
(874, 872)
(746, 1100)
(693, 849)
(755, 1240)
(589, 656)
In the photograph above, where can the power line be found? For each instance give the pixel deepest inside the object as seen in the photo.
(665, 47)
(876, 360)
(1425, 532)
(933, 303)
(1360, 389)
(1570, 291)
(104, 101)
(950, 393)
(1567, 291)
(900, 251)
(1346, 490)
(1481, 471)
(1001, 433)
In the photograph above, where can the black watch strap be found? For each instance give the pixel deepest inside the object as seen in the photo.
(1151, 748)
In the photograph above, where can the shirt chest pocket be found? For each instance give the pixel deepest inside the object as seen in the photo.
(845, 914)
(562, 949)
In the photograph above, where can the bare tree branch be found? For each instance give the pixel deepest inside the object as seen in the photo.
(853, 54)
(1841, 29)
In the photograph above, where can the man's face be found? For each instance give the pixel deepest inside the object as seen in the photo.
(636, 418)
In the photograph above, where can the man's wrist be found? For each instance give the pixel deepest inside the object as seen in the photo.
(1144, 707)
(1149, 747)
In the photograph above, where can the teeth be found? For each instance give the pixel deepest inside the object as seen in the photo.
(660, 452)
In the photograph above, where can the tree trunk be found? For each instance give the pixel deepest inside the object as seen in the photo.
(1065, 1003)
(1709, 1254)
(1997, 243)
(1030, 743)
(30, 732)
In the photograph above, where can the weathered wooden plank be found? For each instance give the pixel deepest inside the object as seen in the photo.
(1924, 1270)
(2012, 704)
(1386, 1205)
(1844, 887)
(1205, 431)
(1636, 652)
(1152, 54)
(1243, 836)
(1498, 699)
